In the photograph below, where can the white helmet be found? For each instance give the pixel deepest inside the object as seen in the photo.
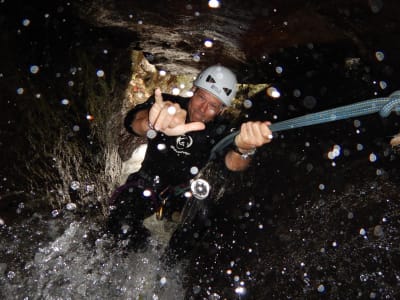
(219, 81)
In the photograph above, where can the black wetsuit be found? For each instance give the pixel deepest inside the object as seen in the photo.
(169, 162)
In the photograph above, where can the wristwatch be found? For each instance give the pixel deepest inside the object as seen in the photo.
(244, 155)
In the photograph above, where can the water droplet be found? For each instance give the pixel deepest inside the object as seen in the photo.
(296, 93)
(321, 187)
(175, 91)
(90, 188)
(162, 73)
(64, 101)
(161, 147)
(100, 73)
(279, 70)
(378, 231)
(196, 57)
(55, 213)
(189, 94)
(375, 5)
(373, 157)
(151, 133)
(194, 170)
(20, 91)
(383, 85)
(362, 231)
(147, 193)
(76, 128)
(360, 147)
(357, 123)
(196, 289)
(309, 102)
(214, 3)
(26, 22)
(75, 185)
(34, 69)
(350, 215)
(208, 43)
(380, 56)
(321, 288)
(240, 290)
(247, 103)
(273, 92)
(10, 275)
(70, 206)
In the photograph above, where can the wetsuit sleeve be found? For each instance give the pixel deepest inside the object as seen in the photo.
(130, 116)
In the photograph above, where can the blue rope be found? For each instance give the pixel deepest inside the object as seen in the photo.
(382, 105)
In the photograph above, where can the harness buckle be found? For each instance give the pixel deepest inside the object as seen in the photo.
(163, 196)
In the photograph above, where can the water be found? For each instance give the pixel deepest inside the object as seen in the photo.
(71, 258)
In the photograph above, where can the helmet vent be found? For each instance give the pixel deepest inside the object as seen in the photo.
(210, 79)
(227, 91)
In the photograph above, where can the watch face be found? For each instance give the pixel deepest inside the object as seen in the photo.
(249, 153)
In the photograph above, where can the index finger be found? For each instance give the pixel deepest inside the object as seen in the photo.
(158, 96)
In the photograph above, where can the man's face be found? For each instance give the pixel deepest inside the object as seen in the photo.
(204, 106)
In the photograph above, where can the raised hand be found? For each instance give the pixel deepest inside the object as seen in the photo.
(170, 118)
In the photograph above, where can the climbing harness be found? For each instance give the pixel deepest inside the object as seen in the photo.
(383, 105)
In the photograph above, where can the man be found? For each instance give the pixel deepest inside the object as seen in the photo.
(181, 132)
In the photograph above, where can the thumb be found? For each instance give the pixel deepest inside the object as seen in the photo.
(194, 126)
